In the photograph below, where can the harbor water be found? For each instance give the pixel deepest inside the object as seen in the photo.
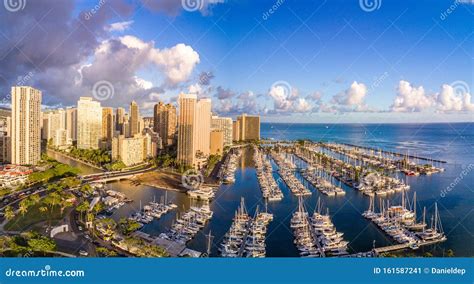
(452, 189)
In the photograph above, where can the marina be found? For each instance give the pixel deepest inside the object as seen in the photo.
(286, 169)
(270, 189)
(246, 236)
(365, 237)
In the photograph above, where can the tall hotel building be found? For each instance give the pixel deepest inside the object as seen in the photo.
(108, 125)
(89, 123)
(248, 127)
(194, 129)
(164, 122)
(71, 123)
(134, 119)
(203, 127)
(223, 124)
(25, 126)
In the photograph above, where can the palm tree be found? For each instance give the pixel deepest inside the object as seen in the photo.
(83, 207)
(35, 198)
(23, 208)
(43, 209)
(9, 213)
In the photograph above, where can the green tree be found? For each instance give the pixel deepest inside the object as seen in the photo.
(82, 208)
(104, 252)
(23, 207)
(9, 213)
(42, 244)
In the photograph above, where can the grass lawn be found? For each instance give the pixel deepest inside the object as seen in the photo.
(33, 216)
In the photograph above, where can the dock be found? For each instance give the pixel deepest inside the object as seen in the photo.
(396, 154)
(396, 247)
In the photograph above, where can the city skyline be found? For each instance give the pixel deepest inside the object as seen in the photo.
(287, 61)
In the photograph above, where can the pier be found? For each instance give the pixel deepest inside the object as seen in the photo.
(396, 154)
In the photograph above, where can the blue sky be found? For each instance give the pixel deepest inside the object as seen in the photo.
(328, 61)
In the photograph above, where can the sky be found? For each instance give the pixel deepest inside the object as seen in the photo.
(287, 60)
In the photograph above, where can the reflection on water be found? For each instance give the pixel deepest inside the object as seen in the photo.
(85, 169)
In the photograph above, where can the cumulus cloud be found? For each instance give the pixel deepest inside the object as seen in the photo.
(245, 102)
(352, 99)
(223, 94)
(119, 26)
(411, 99)
(287, 100)
(176, 62)
(448, 100)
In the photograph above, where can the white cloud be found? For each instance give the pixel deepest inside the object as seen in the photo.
(411, 99)
(287, 100)
(450, 101)
(177, 62)
(119, 26)
(354, 96)
(352, 99)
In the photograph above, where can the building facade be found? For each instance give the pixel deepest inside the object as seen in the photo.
(89, 123)
(164, 122)
(248, 127)
(134, 119)
(107, 125)
(25, 126)
(217, 142)
(5, 146)
(131, 150)
(223, 124)
(71, 123)
(186, 146)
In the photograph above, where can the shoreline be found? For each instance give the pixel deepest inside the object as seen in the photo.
(76, 160)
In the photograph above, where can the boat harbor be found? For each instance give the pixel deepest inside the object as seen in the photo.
(286, 170)
(227, 170)
(189, 224)
(153, 210)
(268, 185)
(246, 236)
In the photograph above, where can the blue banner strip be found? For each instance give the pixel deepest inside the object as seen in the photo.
(218, 270)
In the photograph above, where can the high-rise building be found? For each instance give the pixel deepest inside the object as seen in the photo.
(217, 142)
(134, 118)
(236, 130)
(164, 116)
(25, 126)
(203, 127)
(119, 119)
(54, 128)
(89, 123)
(249, 127)
(131, 150)
(223, 124)
(194, 130)
(107, 124)
(186, 127)
(5, 121)
(71, 123)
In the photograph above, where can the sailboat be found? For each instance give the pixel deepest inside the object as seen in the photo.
(435, 232)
